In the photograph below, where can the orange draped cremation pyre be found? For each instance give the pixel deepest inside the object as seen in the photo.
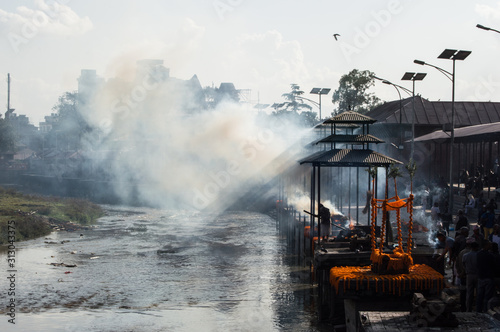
(399, 261)
(390, 272)
(357, 278)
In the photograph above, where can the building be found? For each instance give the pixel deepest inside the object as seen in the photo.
(88, 84)
(473, 150)
(48, 124)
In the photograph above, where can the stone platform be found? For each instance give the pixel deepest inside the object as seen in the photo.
(347, 280)
(376, 321)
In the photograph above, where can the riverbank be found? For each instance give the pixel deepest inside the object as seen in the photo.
(24, 217)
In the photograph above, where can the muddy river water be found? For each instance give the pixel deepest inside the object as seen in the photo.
(155, 270)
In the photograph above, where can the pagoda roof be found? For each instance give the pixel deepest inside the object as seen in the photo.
(349, 157)
(350, 117)
(347, 125)
(354, 139)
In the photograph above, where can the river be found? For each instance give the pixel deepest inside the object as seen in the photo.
(145, 269)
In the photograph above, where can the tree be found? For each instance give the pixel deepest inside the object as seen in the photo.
(352, 92)
(71, 126)
(292, 110)
(294, 102)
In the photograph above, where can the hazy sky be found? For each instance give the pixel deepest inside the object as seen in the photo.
(259, 45)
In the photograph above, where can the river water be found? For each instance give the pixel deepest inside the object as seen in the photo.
(155, 270)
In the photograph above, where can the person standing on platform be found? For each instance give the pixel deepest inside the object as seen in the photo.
(485, 275)
(495, 235)
(325, 219)
(425, 198)
(476, 234)
(487, 221)
(462, 274)
(461, 220)
(459, 245)
(481, 207)
(435, 212)
(492, 205)
(470, 204)
(469, 261)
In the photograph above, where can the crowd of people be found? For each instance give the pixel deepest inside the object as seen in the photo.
(473, 255)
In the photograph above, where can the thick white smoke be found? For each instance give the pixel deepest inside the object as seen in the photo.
(159, 148)
(301, 202)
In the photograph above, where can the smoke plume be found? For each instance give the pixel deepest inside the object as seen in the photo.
(154, 143)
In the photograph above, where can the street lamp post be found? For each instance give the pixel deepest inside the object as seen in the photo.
(409, 76)
(450, 55)
(320, 91)
(486, 28)
(398, 88)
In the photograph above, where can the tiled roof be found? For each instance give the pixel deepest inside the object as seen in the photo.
(355, 139)
(349, 157)
(350, 117)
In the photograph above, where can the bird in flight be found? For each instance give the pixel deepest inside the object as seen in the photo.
(335, 35)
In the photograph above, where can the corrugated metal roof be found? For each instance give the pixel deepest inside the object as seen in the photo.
(349, 157)
(355, 139)
(350, 117)
(477, 132)
(437, 113)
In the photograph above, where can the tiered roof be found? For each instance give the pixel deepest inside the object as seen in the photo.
(363, 157)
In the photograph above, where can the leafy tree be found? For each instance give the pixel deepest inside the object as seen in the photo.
(7, 137)
(352, 92)
(71, 126)
(294, 110)
(294, 101)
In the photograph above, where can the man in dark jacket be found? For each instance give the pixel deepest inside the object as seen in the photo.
(485, 275)
(461, 220)
(324, 217)
(487, 221)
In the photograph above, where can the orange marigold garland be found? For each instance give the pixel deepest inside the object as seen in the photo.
(409, 244)
(412, 168)
(373, 173)
(356, 278)
(399, 261)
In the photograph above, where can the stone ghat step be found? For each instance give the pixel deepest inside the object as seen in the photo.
(372, 321)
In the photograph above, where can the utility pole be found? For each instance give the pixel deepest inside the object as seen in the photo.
(8, 95)
(9, 110)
